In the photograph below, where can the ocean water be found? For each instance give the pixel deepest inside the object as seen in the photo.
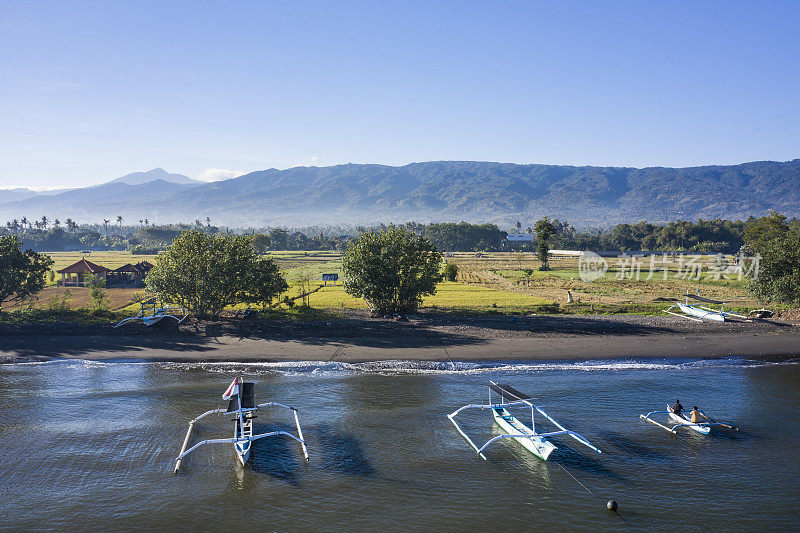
(91, 446)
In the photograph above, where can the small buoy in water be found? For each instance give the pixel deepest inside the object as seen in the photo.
(612, 505)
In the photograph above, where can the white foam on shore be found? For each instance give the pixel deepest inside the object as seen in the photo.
(390, 367)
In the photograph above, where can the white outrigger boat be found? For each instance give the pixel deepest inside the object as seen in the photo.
(151, 314)
(698, 313)
(242, 406)
(534, 442)
(704, 428)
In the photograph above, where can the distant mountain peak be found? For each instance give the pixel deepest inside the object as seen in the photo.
(139, 178)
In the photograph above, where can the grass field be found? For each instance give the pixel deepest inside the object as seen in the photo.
(488, 282)
(78, 298)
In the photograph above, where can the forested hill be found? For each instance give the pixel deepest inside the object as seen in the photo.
(450, 190)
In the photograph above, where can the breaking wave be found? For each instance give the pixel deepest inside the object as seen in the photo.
(390, 367)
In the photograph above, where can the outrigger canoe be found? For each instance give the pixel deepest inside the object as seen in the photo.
(698, 312)
(513, 428)
(683, 421)
(704, 428)
(242, 406)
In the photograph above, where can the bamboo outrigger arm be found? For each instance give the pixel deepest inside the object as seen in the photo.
(299, 438)
(578, 437)
(189, 434)
(669, 311)
(562, 429)
(542, 435)
(233, 440)
(676, 426)
(647, 418)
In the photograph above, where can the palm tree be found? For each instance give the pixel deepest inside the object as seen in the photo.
(105, 225)
(119, 221)
(24, 221)
(140, 221)
(56, 223)
(146, 222)
(68, 222)
(44, 221)
(208, 222)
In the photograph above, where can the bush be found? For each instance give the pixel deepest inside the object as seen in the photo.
(59, 303)
(450, 271)
(97, 292)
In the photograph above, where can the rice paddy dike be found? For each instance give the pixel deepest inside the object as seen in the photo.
(487, 284)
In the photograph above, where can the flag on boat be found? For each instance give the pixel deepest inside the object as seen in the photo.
(232, 390)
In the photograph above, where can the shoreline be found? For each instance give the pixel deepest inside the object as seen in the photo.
(426, 337)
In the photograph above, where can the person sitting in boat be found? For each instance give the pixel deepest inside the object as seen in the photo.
(697, 415)
(677, 408)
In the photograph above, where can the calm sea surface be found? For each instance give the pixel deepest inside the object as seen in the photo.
(91, 446)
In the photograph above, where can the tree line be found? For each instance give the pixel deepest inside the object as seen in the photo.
(391, 268)
(702, 236)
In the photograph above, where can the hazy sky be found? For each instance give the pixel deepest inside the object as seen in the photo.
(93, 90)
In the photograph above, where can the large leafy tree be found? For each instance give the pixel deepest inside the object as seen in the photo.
(206, 273)
(260, 242)
(545, 230)
(778, 244)
(391, 269)
(760, 234)
(22, 273)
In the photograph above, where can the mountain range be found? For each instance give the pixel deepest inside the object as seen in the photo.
(474, 191)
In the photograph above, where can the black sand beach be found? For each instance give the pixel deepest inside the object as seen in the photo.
(427, 336)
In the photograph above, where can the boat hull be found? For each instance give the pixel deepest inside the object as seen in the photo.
(242, 450)
(243, 431)
(538, 446)
(700, 313)
(703, 430)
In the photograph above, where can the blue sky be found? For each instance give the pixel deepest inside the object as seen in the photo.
(93, 90)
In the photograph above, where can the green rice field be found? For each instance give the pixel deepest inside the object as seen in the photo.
(494, 282)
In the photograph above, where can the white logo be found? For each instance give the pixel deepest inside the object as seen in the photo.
(591, 266)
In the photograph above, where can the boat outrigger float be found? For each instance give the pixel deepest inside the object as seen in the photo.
(704, 428)
(534, 442)
(242, 406)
